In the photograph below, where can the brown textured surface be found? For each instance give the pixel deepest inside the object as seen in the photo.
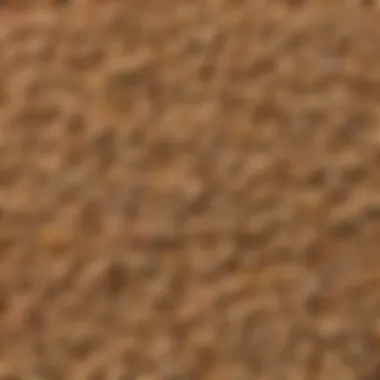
(189, 190)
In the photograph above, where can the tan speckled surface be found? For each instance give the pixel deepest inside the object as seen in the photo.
(189, 190)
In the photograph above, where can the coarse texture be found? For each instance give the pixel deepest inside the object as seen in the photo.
(189, 190)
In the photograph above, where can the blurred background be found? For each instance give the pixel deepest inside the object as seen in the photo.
(189, 190)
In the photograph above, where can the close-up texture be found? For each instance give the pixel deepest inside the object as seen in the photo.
(189, 190)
